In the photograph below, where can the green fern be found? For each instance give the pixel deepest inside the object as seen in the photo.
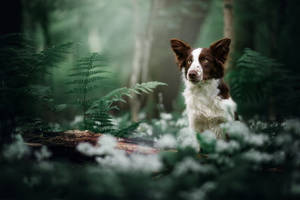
(98, 117)
(85, 79)
(118, 94)
(124, 132)
(254, 80)
(23, 72)
(96, 113)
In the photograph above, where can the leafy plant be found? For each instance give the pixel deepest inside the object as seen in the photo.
(99, 119)
(255, 82)
(23, 85)
(86, 76)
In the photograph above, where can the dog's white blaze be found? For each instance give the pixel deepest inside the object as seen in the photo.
(196, 64)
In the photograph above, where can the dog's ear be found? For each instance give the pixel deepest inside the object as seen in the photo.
(220, 49)
(181, 49)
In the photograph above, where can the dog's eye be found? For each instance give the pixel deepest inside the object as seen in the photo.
(189, 62)
(204, 60)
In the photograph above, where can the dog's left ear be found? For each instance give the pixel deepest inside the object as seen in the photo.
(180, 48)
(220, 49)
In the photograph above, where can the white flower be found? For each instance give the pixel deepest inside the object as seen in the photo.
(187, 138)
(208, 137)
(165, 116)
(144, 129)
(256, 156)
(236, 129)
(166, 141)
(17, 149)
(257, 139)
(190, 165)
(199, 193)
(109, 156)
(223, 146)
(43, 154)
(182, 122)
(292, 125)
(77, 119)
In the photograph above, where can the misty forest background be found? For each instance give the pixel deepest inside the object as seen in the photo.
(107, 67)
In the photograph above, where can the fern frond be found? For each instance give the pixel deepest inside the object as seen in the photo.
(254, 80)
(98, 113)
(125, 132)
(118, 94)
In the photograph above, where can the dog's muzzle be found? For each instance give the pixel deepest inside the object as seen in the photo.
(193, 76)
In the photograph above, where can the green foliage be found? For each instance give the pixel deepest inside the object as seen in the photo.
(86, 76)
(85, 79)
(255, 82)
(232, 169)
(128, 130)
(98, 117)
(23, 78)
(118, 94)
(269, 27)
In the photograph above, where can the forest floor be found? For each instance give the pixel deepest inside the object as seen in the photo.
(63, 144)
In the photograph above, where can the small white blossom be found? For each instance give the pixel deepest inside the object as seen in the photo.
(43, 154)
(256, 139)
(190, 165)
(182, 122)
(109, 156)
(223, 146)
(199, 193)
(208, 137)
(165, 116)
(17, 149)
(167, 141)
(256, 156)
(187, 138)
(292, 125)
(236, 129)
(144, 129)
(77, 120)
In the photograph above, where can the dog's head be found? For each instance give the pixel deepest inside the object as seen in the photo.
(202, 63)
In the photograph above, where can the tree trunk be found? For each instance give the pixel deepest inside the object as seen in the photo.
(228, 25)
(11, 23)
(162, 67)
(45, 28)
(143, 44)
(137, 61)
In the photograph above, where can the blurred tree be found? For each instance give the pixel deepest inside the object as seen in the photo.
(177, 19)
(11, 23)
(228, 24)
(167, 19)
(38, 16)
(143, 44)
(270, 28)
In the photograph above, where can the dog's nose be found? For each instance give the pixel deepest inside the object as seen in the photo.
(192, 74)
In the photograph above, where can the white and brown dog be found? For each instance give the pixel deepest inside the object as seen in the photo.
(207, 98)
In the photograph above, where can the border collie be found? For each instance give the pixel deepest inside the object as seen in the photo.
(207, 98)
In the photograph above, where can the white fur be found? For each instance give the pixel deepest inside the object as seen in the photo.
(205, 109)
(196, 64)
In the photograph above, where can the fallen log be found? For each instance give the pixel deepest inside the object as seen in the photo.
(63, 144)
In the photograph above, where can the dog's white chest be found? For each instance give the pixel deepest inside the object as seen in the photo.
(205, 109)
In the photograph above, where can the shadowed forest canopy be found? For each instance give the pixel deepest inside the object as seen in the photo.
(94, 86)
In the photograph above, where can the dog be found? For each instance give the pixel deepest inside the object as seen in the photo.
(207, 98)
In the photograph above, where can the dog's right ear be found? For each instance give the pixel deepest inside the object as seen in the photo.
(181, 50)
